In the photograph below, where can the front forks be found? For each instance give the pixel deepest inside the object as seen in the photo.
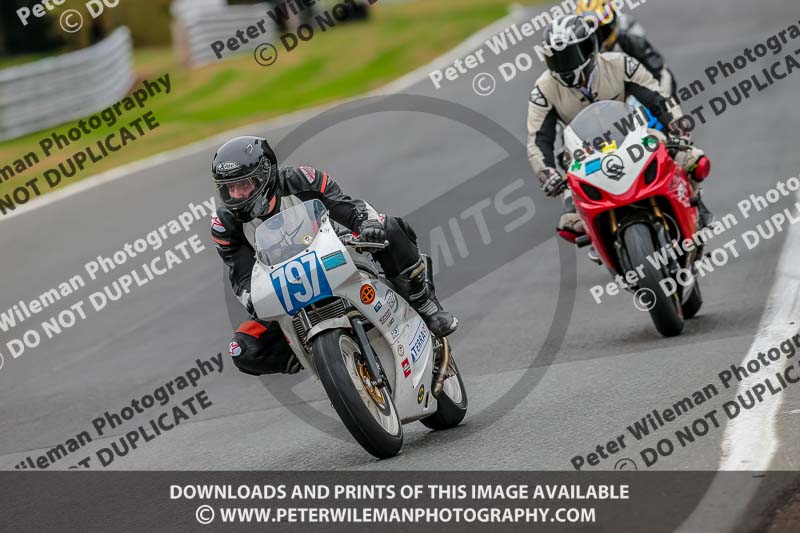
(370, 357)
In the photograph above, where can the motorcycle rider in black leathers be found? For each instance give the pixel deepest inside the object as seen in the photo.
(620, 33)
(253, 188)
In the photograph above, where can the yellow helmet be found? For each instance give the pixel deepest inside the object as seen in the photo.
(603, 11)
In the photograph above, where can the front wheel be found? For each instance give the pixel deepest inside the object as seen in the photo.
(694, 302)
(665, 310)
(451, 405)
(368, 412)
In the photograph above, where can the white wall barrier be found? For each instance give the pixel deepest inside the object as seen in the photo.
(198, 23)
(55, 90)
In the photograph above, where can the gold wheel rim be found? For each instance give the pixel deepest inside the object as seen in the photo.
(372, 391)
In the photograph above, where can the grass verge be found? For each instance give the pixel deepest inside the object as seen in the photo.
(350, 60)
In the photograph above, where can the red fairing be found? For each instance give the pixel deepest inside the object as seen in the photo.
(671, 184)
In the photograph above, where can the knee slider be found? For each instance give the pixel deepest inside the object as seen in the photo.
(243, 350)
(255, 349)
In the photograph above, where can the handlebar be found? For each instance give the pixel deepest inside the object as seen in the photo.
(677, 143)
(351, 240)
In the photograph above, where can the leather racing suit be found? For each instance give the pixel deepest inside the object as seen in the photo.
(615, 77)
(259, 347)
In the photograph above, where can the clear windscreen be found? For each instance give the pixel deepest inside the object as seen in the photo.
(289, 233)
(604, 120)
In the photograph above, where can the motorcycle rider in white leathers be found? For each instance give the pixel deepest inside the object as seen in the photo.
(577, 76)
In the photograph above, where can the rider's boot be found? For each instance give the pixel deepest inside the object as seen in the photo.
(594, 257)
(705, 216)
(417, 287)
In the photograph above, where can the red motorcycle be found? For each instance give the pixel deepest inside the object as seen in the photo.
(638, 209)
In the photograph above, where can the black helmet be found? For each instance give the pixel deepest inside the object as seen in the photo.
(245, 171)
(571, 49)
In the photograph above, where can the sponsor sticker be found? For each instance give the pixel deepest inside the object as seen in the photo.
(395, 333)
(227, 166)
(538, 98)
(406, 368)
(309, 173)
(234, 350)
(386, 316)
(593, 166)
(334, 260)
(421, 394)
(419, 342)
(391, 300)
(378, 307)
(609, 147)
(631, 66)
(650, 142)
(367, 294)
(216, 224)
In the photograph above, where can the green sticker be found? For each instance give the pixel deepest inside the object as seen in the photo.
(576, 166)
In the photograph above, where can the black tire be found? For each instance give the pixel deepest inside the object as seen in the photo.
(694, 303)
(666, 311)
(449, 413)
(333, 371)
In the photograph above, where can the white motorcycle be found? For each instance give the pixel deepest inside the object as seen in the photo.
(377, 360)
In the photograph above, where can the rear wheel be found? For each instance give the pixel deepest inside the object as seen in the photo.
(451, 405)
(665, 311)
(368, 412)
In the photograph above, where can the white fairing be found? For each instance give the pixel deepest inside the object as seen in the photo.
(326, 268)
(597, 168)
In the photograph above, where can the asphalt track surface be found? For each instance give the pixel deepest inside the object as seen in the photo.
(610, 370)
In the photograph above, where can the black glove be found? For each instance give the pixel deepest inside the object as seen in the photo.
(551, 182)
(372, 231)
(676, 142)
(676, 130)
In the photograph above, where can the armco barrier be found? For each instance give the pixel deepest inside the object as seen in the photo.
(198, 23)
(39, 95)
